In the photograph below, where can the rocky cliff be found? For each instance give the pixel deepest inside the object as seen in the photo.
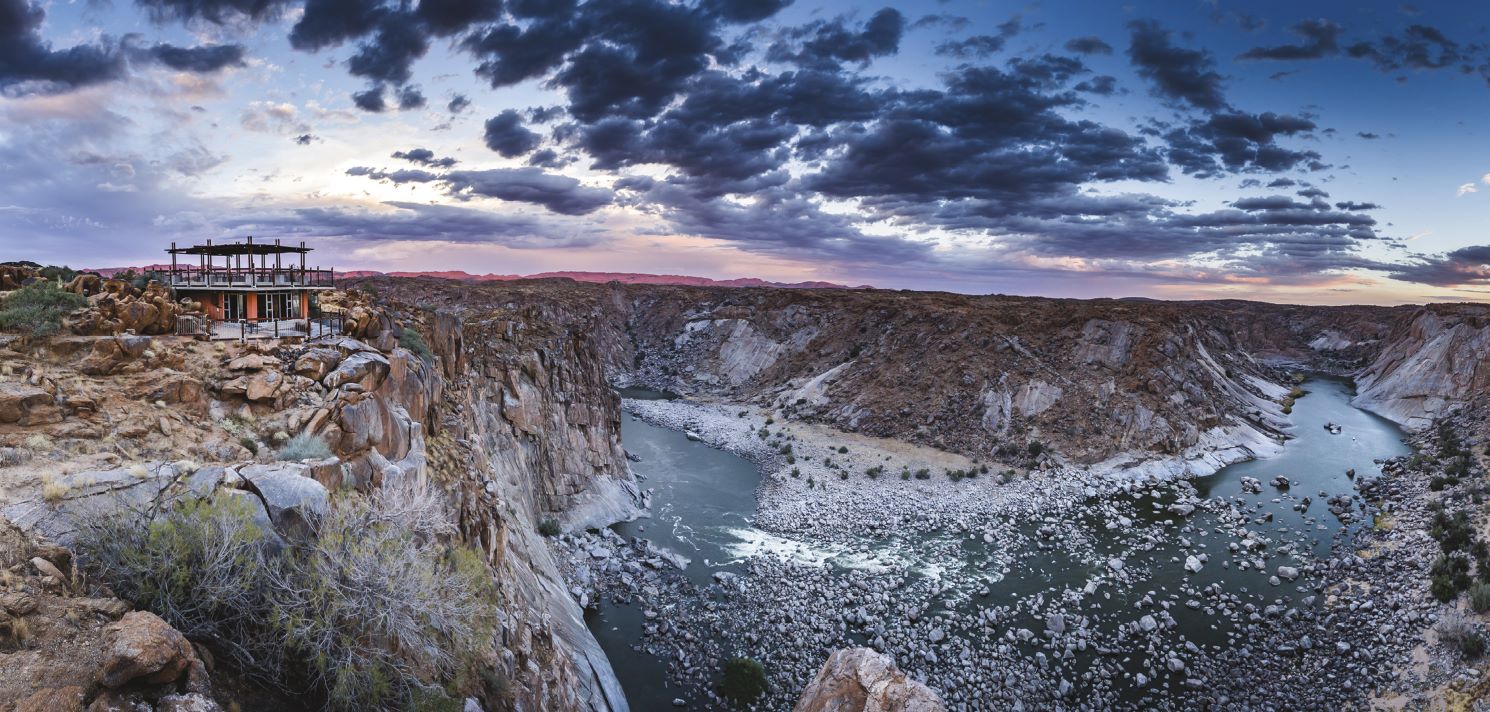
(1114, 384)
(1432, 361)
(509, 415)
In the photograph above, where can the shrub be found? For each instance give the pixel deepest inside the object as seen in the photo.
(411, 340)
(1035, 447)
(843, 449)
(1442, 588)
(37, 309)
(550, 527)
(373, 613)
(744, 680)
(1454, 630)
(249, 444)
(303, 447)
(1479, 597)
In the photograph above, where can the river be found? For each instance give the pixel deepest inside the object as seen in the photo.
(703, 502)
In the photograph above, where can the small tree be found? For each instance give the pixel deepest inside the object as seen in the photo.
(744, 680)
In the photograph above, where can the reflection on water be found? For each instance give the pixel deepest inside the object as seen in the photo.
(704, 499)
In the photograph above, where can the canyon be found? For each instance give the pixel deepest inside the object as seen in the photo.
(513, 415)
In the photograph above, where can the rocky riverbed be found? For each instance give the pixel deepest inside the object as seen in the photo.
(1005, 589)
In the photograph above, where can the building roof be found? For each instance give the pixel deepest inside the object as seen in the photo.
(239, 248)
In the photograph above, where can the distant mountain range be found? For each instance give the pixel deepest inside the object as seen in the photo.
(601, 277)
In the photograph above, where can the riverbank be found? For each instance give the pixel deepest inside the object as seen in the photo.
(1011, 589)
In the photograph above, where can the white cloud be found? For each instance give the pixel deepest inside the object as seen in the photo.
(1485, 179)
(1468, 188)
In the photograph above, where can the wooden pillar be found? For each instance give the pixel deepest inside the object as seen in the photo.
(251, 305)
(305, 304)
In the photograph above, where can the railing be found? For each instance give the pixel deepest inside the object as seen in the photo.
(328, 324)
(187, 276)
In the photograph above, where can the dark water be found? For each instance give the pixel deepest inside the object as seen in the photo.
(703, 501)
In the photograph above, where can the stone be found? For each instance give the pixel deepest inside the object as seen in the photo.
(365, 368)
(1192, 564)
(62, 699)
(144, 648)
(863, 680)
(17, 400)
(1288, 572)
(190, 702)
(47, 568)
(317, 362)
(292, 496)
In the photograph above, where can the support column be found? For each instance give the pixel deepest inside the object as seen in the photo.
(251, 305)
(304, 304)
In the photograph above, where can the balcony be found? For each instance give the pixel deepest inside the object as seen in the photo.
(188, 277)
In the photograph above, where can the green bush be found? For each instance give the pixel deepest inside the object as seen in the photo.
(1472, 646)
(411, 340)
(1479, 597)
(303, 447)
(374, 612)
(1035, 447)
(249, 444)
(550, 527)
(37, 309)
(1442, 588)
(744, 680)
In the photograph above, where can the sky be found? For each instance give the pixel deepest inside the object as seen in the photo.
(1320, 152)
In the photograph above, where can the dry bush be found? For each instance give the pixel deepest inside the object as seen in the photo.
(376, 611)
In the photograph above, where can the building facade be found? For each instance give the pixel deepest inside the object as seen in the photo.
(248, 281)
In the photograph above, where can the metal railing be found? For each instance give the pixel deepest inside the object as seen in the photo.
(188, 276)
(316, 327)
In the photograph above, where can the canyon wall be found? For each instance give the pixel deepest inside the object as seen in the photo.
(1434, 360)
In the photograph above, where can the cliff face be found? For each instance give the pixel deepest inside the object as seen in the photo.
(1116, 384)
(1432, 361)
(510, 415)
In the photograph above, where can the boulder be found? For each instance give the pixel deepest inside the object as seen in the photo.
(316, 363)
(19, 400)
(143, 648)
(291, 495)
(253, 362)
(364, 368)
(863, 680)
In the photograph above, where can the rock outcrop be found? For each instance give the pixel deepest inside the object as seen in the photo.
(862, 680)
(1432, 362)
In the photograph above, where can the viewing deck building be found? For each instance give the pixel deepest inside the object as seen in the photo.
(248, 281)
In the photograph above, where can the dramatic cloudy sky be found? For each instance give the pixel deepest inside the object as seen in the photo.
(1320, 152)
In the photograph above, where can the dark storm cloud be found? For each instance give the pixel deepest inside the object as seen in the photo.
(414, 222)
(409, 98)
(29, 65)
(304, 139)
(389, 55)
(510, 54)
(743, 10)
(425, 157)
(1179, 74)
(1417, 47)
(506, 135)
(1321, 38)
(1235, 142)
(215, 11)
(370, 100)
(1352, 205)
(1464, 266)
(981, 45)
(205, 59)
(558, 193)
(1088, 45)
(458, 103)
(448, 17)
(826, 44)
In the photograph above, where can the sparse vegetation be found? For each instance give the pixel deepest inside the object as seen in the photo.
(251, 445)
(303, 447)
(37, 309)
(744, 680)
(207, 568)
(550, 527)
(1479, 597)
(411, 340)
